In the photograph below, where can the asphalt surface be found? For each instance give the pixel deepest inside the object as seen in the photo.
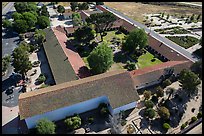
(10, 39)
(155, 35)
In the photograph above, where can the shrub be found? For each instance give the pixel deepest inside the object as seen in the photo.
(103, 108)
(166, 126)
(123, 122)
(149, 104)
(45, 126)
(73, 122)
(166, 82)
(130, 66)
(150, 113)
(41, 78)
(154, 99)
(147, 94)
(199, 115)
(184, 125)
(193, 119)
(160, 91)
(90, 119)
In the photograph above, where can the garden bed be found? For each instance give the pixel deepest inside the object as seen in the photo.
(184, 41)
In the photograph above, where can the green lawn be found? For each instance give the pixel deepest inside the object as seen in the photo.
(184, 41)
(145, 60)
(110, 35)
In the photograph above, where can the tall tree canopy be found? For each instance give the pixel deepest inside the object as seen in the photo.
(17, 16)
(100, 59)
(76, 19)
(83, 6)
(39, 36)
(21, 61)
(30, 19)
(5, 62)
(43, 22)
(73, 5)
(25, 7)
(6, 23)
(102, 21)
(197, 68)
(189, 81)
(84, 34)
(164, 113)
(136, 39)
(20, 26)
(43, 11)
(60, 9)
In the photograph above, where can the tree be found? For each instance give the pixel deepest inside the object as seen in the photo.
(76, 19)
(149, 104)
(189, 81)
(167, 17)
(83, 6)
(21, 6)
(17, 16)
(170, 91)
(150, 113)
(198, 17)
(73, 122)
(5, 62)
(25, 46)
(45, 126)
(159, 92)
(25, 7)
(60, 9)
(102, 21)
(20, 26)
(147, 94)
(6, 23)
(136, 39)
(192, 18)
(43, 22)
(100, 59)
(39, 36)
(30, 19)
(197, 68)
(99, 3)
(43, 11)
(73, 5)
(21, 61)
(162, 15)
(84, 34)
(164, 113)
(166, 83)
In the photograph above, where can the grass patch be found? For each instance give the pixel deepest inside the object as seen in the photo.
(86, 62)
(110, 35)
(184, 41)
(145, 60)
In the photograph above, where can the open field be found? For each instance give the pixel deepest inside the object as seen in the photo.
(137, 10)
(4, 4)
(146, 60)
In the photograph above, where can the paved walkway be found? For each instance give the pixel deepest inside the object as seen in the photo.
(196, 36)
(194, 48)
(73, 57)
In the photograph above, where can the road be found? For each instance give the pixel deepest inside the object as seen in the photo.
(9, 39)
(166, 41)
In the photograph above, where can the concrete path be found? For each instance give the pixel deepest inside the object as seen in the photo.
(8, 7)
(196, 130)
(190, 3)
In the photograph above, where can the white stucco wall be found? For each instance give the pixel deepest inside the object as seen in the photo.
(67, 111)
(125, 107)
